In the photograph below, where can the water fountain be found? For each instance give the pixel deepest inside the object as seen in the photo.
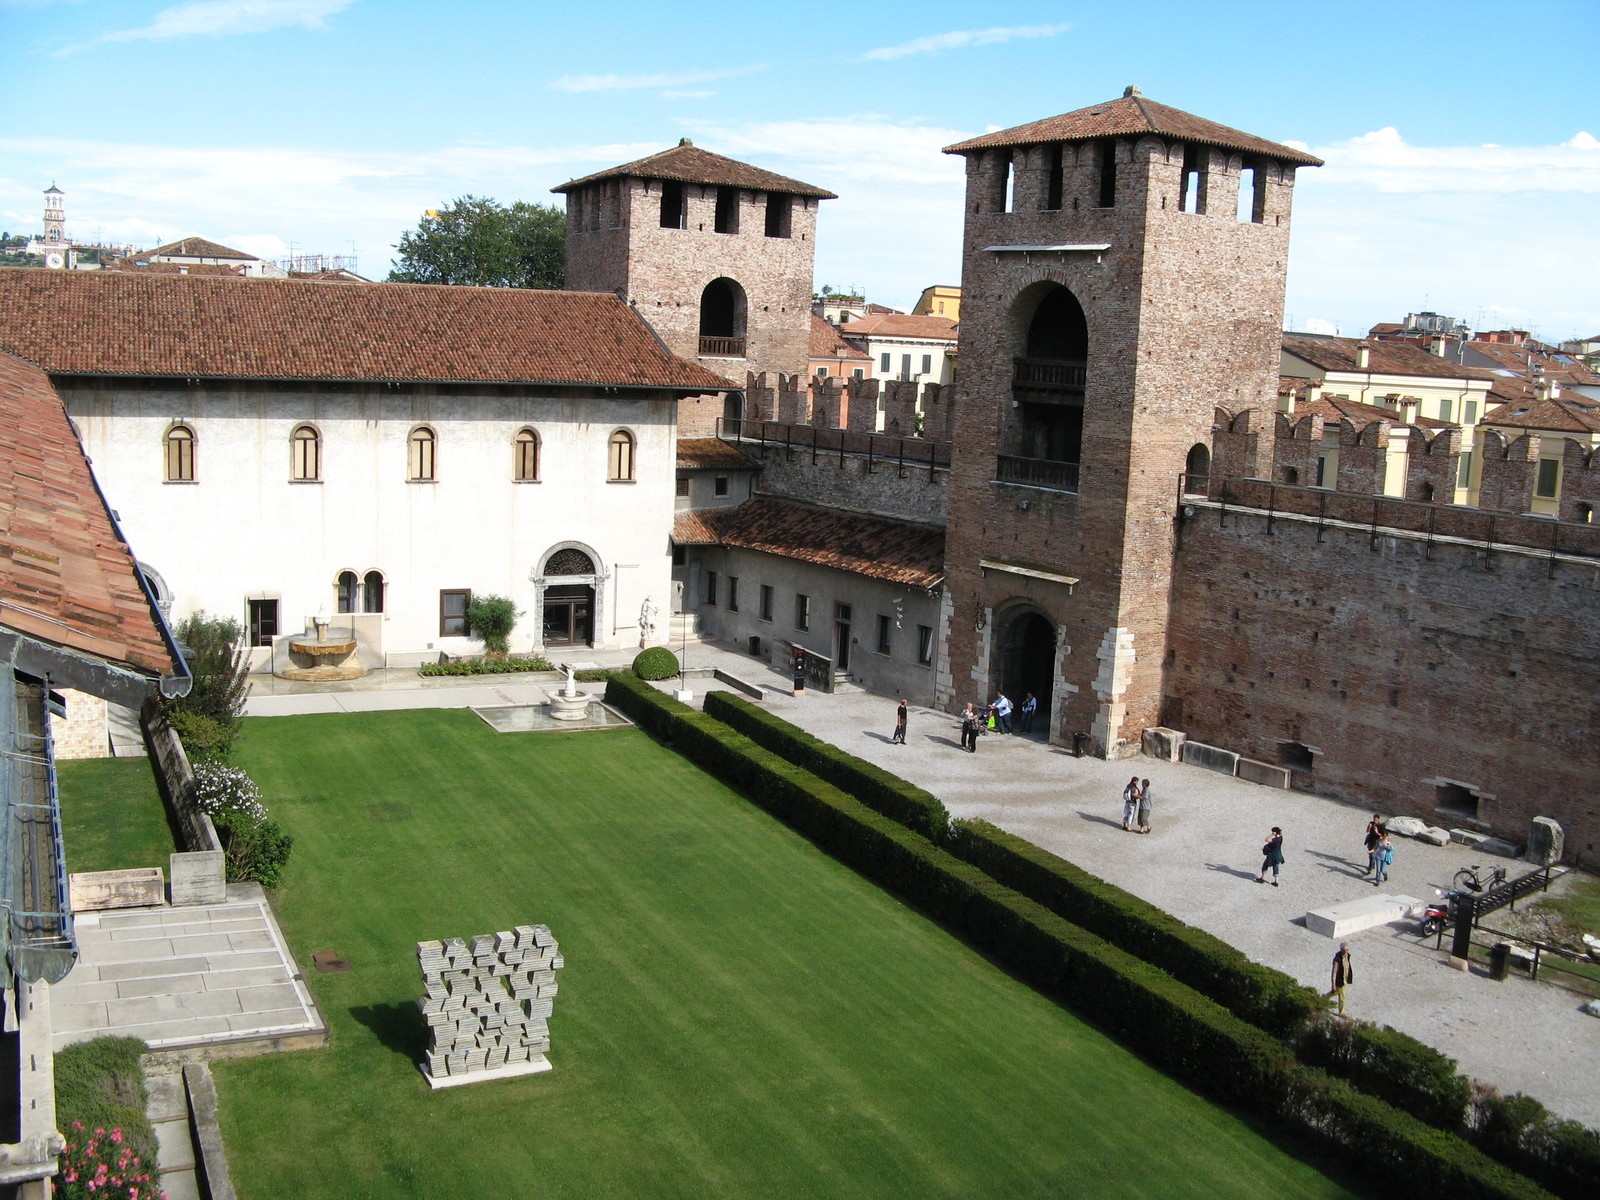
(569, 704)
(318, 660)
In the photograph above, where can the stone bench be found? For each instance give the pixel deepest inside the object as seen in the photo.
(1212, 758)
(1338, 920)
(135, 887)
(1265, 774)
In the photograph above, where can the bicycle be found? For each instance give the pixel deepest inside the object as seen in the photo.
(1468, 880)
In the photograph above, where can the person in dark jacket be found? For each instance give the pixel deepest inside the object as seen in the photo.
(899, 725)
(1272, 856)
(1344, 974)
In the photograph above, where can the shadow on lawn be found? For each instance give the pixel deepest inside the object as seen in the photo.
(398, 1027)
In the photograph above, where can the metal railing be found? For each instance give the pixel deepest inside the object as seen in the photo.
(883, 449)
(1037, 473)
(1049, 374)
(722, 347)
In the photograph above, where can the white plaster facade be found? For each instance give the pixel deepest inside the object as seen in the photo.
(243, 529)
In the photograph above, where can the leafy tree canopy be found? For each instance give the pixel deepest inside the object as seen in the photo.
(479, 242)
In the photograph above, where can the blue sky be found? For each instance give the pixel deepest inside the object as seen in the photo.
(1463, 168)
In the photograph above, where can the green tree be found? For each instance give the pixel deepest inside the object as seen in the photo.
(479, 242)
(221, 668)
(491, 620)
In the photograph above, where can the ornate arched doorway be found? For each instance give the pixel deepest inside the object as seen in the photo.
(567, 597)
(1027, 661)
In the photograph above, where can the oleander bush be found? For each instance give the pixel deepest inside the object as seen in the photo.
(655, 663)
(487, 666)
(254, 846)
(100, 1085)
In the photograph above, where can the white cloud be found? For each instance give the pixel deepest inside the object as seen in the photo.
(960, 39)
(224, 18)
(1385, 161)
(627, 83)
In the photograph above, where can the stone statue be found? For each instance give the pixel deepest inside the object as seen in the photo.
(647, 622)
(571, 686)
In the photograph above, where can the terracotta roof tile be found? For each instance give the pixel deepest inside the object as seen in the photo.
(881, 548)
(687, 163)
(1132, 116)
(1331, 409)
(713, 452)
(65, 578)
(826, 342)
(196, 247)
(1384, 358)
(129, 323)
(899, 325)
(700, 527)
(1564, 414)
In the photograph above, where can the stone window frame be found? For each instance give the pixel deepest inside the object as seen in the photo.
(422, 455)
(526, 451)
(453, 624)
(178, 446)
(305, 454)
(621, 456)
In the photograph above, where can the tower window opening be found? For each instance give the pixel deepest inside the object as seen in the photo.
(1107, 161)
(1008, 186)
(671, 204)
(1549, 478)
(722, 319)
(1252, 197)
(1055, 179)
(1192, 199)
(727, 215)
(778, 209)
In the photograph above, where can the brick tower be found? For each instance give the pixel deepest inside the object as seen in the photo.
(1122, 274)
(716, 254)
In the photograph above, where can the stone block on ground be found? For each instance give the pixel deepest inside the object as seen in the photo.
(198, 877)
(1265, 774)
(1163, 743)
(1546, 841)
(1340, 920)
(1500, 847)
(1405, 826)
(1212, 758)
(1434, 836)
(136, 887)
(1470, 838)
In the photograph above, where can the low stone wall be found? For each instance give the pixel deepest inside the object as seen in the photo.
(174, 776)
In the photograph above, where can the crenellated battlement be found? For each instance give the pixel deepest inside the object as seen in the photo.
(910, 410)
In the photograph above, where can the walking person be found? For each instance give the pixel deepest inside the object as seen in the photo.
(1130, 802)
(969, 729)
(1344, 974)
(1029, 707)
(899, 737)
(1374, 835)
(1143, 818)
(1271, 856)
(1381, 858)
(1002, 712)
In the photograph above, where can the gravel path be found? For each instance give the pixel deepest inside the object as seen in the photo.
(1200, 863)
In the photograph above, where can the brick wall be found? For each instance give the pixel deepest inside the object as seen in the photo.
(1399, 664)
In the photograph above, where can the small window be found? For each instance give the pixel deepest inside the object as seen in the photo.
(345, 586)
(905, 366)
(720, 485)
(305, 455)
(822, 372)
(858, 373)
(885, 624)
(927, 364)
(925, 644)
(711, 588)
(263, 622)
(683, 485)
(680, 555)
(1108, 174)
(423, 458)
(1470, 417)
(1464, 470)
(180, 454)
(1322, 470)
(671, 204)
(525, 456)
(1444, 410)
(620, 468)
(766, 602)
(1453, 798)
(778, 206)
(372, 592)
(733, 593)
(453, 611)
(727, 213)
(884, 366)
(1549, 478)
(802, 611)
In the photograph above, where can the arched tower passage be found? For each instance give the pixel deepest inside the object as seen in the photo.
(1025, 658)
(724, 311)
(1050, 361)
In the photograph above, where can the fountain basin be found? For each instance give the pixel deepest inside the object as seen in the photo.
(323, 649)
(569, 708)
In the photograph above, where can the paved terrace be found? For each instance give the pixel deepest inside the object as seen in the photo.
(1199, 863)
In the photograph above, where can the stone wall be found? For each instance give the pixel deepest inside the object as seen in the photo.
(852, 481)
(174, 777)
(1410, 675)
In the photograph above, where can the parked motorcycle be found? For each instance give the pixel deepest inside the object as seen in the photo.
(1440, 912)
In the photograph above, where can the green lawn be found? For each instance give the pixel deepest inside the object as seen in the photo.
(112, 816)
(739, 1015)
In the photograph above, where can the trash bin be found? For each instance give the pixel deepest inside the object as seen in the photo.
(1499, 960)
(1080, 743)
(755, 646)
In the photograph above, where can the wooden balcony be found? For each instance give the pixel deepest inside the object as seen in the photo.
(721, 347)
(1037, 473)
(1048, 380)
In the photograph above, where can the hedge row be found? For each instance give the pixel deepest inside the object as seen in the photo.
(1188, 1035)
(880, 790)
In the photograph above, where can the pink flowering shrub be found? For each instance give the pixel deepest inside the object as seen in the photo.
(100, 1165)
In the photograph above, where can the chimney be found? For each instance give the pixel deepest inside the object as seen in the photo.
(1313, 390)
(1409, 407)
(1363, 355)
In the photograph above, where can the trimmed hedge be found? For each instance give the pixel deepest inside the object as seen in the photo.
(875, 787)
(1564, 1156)
(1186, 1034)
(1392, 1066)
(485, 666)
(657, 662)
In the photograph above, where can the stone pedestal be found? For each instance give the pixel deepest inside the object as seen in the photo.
(1546, 841)
(198, 877)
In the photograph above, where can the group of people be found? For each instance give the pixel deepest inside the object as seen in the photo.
(996, 717)
(1136, 806)
(1380, 851)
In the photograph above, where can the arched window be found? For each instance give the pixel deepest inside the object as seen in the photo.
(345, 585)
(1197, 468)
(180, 454)
(525, 456)
(422, 459)
(620, 468)
(723, 310)
(372, 592)
(305, 454)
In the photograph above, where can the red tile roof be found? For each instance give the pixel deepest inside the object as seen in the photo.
(826, 342)
(700, 527)
(129, 323)
(687, 163)
(65, 578)
(1133, 116)
(1564, 414)
(896, 551)
(1331, 409)
(196, 247)
(1384, 358)
(899, 325)
(713, 452)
